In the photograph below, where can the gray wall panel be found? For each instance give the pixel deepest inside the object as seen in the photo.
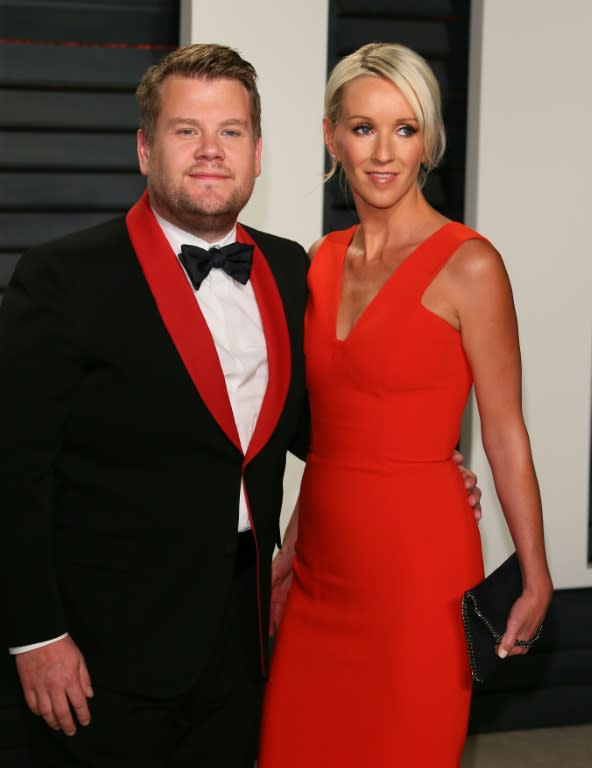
(87, 21)
(59, 191)
(21, 230)
(430, 38)
(67, 110)
(67, 151)
(403, 8)
(60, 66)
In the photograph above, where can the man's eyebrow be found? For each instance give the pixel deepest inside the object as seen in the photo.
(185, 120)
(192, 121)
(235, 121)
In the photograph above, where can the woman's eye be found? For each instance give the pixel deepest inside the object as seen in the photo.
(406, 130)
(362, 130)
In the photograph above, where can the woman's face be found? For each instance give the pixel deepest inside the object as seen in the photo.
(378, 143)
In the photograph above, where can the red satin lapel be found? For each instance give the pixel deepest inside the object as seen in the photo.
(181, 314)
(277, 339)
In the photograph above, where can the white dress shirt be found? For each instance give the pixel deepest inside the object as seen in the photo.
(231, 312)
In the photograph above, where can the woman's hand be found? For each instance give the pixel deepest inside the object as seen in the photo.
(525, 619)
(470, 483)
(281, 579)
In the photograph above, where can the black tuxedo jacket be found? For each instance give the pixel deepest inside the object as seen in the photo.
(120, 463)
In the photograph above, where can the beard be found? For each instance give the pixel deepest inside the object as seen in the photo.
(209, 217)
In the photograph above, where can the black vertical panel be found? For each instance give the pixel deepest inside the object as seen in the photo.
(439, 31)
(68, 73)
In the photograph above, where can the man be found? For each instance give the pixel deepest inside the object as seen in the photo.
(153, 397)
(143, 451)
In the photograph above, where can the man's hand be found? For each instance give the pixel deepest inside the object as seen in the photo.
(281, 579)
(470, 482)
(56, 684)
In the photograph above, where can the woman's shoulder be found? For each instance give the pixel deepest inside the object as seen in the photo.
(335, 238)
(476, 258)
(315, 247)
(461, 233)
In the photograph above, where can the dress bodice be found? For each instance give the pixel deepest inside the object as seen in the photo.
(395, 389)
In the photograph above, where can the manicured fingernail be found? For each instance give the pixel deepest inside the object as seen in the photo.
(502, 653)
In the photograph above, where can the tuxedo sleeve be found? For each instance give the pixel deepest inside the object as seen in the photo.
(39, 373)
(301, 438)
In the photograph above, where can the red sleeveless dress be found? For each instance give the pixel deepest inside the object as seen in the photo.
(370, 668)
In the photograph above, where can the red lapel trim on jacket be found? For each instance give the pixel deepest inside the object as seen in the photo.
(181, 314)
(275, 328)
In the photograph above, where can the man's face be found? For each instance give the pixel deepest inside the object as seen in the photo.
(202, 160)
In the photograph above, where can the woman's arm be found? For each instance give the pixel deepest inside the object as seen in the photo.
(488, 327)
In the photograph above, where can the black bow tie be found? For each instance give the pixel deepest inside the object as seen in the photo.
(235, 259)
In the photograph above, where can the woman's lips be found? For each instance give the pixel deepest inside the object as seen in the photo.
(382, 176)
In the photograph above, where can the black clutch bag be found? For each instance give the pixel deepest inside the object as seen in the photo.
(485, 611)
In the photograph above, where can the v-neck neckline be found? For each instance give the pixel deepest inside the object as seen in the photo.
(383, 288)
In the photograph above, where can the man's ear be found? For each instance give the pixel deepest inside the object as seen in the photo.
(258, 151)
(143, 149)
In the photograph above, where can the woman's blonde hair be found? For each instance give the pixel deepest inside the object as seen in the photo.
(412, 76)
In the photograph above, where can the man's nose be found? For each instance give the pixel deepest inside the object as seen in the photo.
(209, 146)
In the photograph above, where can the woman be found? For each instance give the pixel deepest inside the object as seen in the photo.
(406, 312)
